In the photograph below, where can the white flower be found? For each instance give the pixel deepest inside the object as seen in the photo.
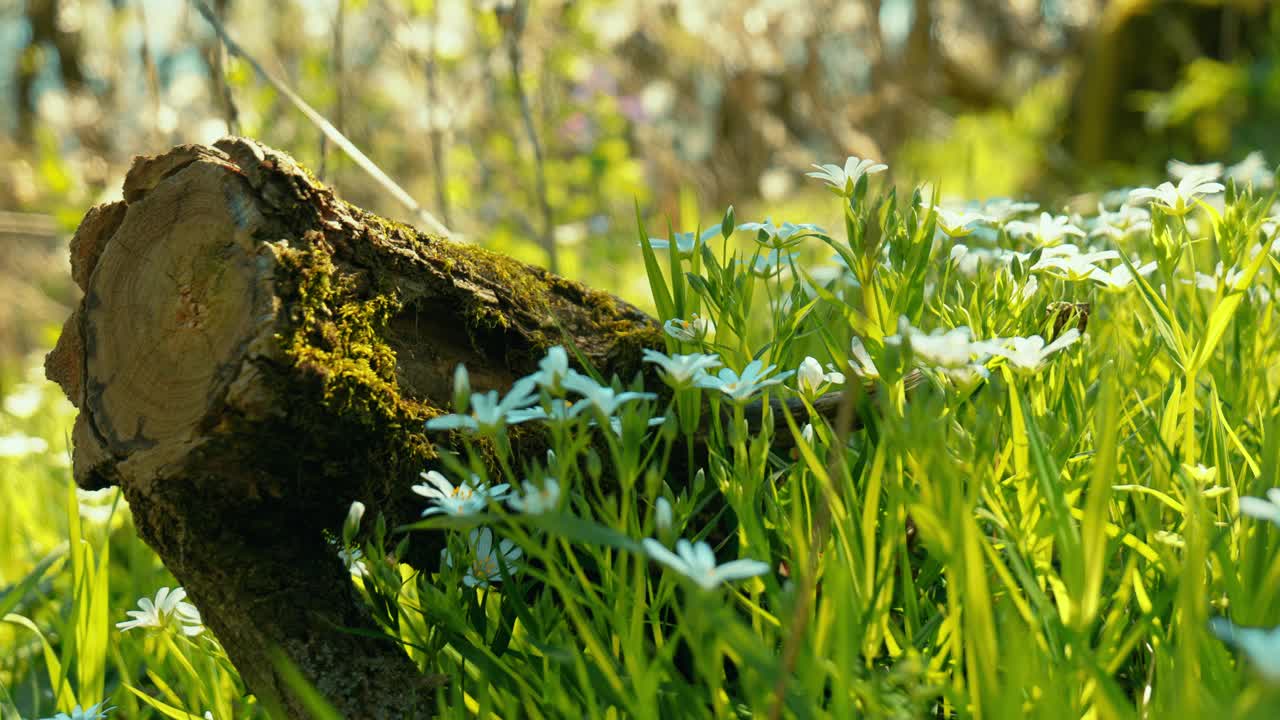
(1001, 209)
(353, 560)
(1228, 278)
(553, 371)
(537, 500)
(1125, 220)
(662, 515)
(169, 609)
(1252, 171)
(600, 397)
(1030, 353)
(810, 378)
(1073, 265)
(1179, 170)
(740, 388)
(843, 180)
(1181, 199)
(93, 712)
(1029, 288)
(957, 223)
(686, 243)
(489, 415)
(559, 413)
(1119, 277)
(806, 433)
(487, 561)
(861, 361)
(1268, 509)
(698, 563)
(1049, 230)
(462, 500)
(1261, 645)
(615, 423)
(693, 330)
(780, 236)
(680, 371)
(18, 445)
(950, 349)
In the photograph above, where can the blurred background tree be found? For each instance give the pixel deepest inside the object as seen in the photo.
(529, 125)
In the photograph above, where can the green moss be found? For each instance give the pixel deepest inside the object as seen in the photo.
(335, 343)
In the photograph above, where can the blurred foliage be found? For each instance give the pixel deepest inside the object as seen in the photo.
(677, 105)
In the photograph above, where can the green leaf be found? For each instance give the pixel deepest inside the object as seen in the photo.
(657, 283)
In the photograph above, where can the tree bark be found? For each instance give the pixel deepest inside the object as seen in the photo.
(252, 354)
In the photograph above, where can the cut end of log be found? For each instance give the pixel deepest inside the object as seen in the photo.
(176, 296)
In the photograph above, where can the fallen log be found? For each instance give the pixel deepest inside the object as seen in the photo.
(252, 354)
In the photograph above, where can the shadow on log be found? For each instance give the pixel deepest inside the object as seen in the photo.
(252, 354)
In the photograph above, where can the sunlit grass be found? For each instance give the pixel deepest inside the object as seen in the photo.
(1020, 534)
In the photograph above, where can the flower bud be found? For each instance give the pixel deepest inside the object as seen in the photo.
(662, 514)
(461, 389)
(352, 525)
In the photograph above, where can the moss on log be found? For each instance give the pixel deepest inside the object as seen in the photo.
(252, 354)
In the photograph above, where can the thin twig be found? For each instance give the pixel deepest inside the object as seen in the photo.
(325, 126)
(226, 100)
(436, 134)
(340, 83)
(512, 20)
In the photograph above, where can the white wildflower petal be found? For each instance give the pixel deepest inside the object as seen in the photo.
(693, 330)
(466, 498)
(697, 562)
(1049, 230)
(1252, 171)
(537, 500)
(1260, 645)
(1179, 199)
(742, 387)
(861, 361)
(843, 180)
(680, 371)
(98, 711)
(168, 611)
(1179, 170)
(1260, 509)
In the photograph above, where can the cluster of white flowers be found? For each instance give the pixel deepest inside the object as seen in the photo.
(488, 415)
(959, 356)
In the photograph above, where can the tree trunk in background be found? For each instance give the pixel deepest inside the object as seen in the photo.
(252, 354)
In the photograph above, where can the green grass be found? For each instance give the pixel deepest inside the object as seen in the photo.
(1046, 542)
